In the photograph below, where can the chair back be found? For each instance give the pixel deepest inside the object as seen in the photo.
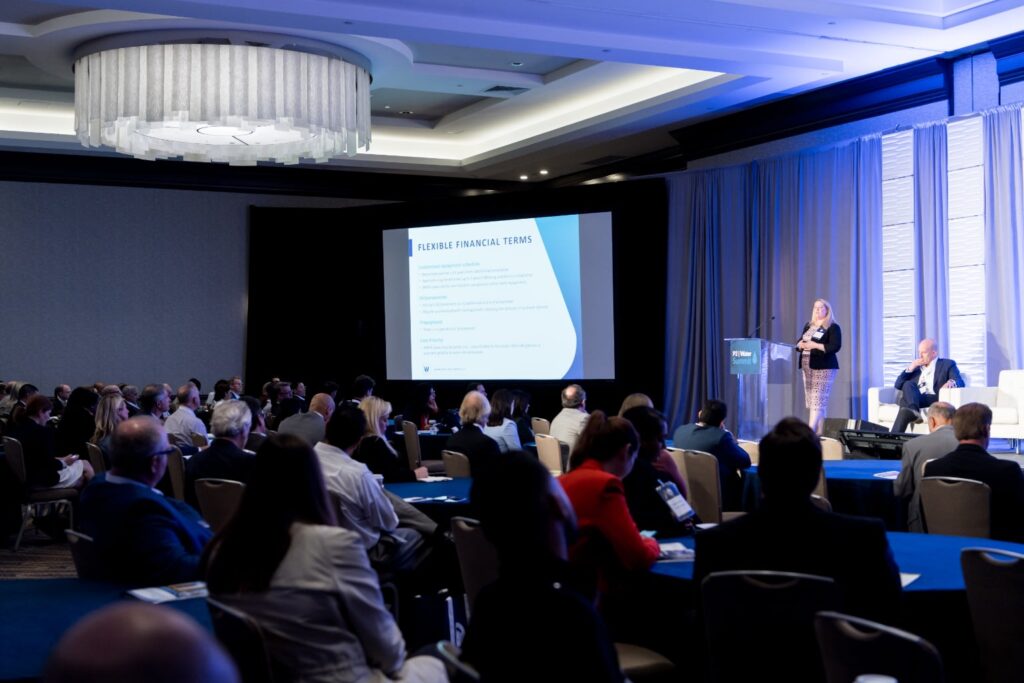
(956, 507)
(703, 485)
(777, 606)
(456, 464)
(243, 638)
(412, 443)
(995, 595)
(821, 503)
(753, 450)
(680, 460)
(200, 441)
(831, 449)
(176, 472)
(88, 564)
(15, 459)
(478, 558)
(99, 464)
(852, 647)
(218, 500)
(821, 489)
(540, 425)
(549, 451)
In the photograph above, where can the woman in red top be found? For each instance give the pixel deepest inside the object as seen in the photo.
(609, 544)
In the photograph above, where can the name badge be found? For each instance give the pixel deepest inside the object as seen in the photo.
(818, 334)
(681, 509)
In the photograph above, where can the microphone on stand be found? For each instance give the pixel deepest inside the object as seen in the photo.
(758, 328)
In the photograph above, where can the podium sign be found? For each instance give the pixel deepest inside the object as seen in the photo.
(764, 371)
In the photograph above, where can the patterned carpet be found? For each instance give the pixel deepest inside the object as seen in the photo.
(37, 558)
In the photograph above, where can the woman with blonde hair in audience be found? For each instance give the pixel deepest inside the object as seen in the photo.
(112, 411)
(284, 562)
(376, 452)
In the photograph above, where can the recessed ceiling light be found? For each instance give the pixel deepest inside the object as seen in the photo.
(387, 106)
(524, 177)
(605, 50)
(407, 112)
(543, 171)
(515, 64)
(831, 23)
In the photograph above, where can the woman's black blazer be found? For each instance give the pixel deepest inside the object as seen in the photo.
(824, 360)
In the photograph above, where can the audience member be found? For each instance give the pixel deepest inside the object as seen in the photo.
(648, 508)
(142, 537)
(789, 533)
(362, 387)
(312, 424)
(708, 435)
(528, 518)
(221, 392)
(476, 386)
(10, 396)
(45, 467)
(235, 385)
(500, 426)
(610, 544)
(939, 441)
(284, 562)
(134, 642)
(470, 440)
(112, 411)
(226, 457)
(61, 393)
(972, 425)
(361, 501)
(258, 430)
(155, 401)
(376, 452)
(634, 401)
(78, 422)
(110, 390)
(568, 424)
(521, 415)
(423, 406)
(25, 392)
(183, 426)
(131, 398)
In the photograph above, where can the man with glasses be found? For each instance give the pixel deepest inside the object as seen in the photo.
(142, 537)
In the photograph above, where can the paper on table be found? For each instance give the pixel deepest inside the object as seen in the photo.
(707, 525)
(675, 552)
(907, 579)
(890, 474)
(176, 591)
(432, 479)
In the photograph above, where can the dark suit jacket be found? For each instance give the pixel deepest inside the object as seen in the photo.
(222, 460)
(143, 538)
(373, 452)
(37, 446)
(832, 339)
(309, 426)
(852, 550)
(475, 445)
(945, 370)
(722, 445)
(1002, 476)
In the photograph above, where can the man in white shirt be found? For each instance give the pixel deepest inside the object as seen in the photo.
(363, 506)
(183, 424)
(920, 382)
(568, 424)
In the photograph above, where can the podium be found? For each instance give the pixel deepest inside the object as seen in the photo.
(764, 371)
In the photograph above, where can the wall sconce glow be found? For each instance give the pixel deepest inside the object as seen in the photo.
(234, 103)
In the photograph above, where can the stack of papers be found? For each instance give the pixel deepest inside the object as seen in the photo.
(430, 479)
(175, 591)
(675, 552)
(891, 474)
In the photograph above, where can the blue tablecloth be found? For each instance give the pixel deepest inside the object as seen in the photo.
(936, 558)
(456, 489)
(34, 614)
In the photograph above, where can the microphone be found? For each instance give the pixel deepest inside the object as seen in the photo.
(758, 328)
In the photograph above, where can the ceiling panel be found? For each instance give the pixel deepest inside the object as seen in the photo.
(423, 105)
(498, 60)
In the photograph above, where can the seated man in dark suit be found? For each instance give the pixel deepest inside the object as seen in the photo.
(708, 435)
(972, 424)
(788, 533)
(225, 457)
(471, 441)
(528, 518)
(920, 383)
(142, 537)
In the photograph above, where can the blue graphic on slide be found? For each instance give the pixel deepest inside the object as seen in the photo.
(561, 237)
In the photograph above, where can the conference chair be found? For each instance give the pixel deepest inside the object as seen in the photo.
(995, 595)
(36, 503)
(88, 564)
(176, 472)
(821, 489)
(956, 507)
(540, 425)
(200, 441)
(549, 451)
(821, 503)
(703, 485)
(456, 464)
(478, 558)
(412, 443)
(96, 459)
(851, 647)
(218, 500)
(779, 608)
(753, 450)
(831, 449)
(244, 640)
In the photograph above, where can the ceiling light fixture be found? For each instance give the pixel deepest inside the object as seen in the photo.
(524, 177)
(515, 64)
(234, 98)
(543, 171)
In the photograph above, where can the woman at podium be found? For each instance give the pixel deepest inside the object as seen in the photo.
(821, 340)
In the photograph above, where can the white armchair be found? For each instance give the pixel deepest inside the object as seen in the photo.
(882, 408)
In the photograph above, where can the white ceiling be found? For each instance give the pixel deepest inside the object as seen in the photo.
(577, 80)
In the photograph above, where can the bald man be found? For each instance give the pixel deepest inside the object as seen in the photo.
(921, 381)
(133, 642)
(183, 425)
(142, 537)
(311, 425)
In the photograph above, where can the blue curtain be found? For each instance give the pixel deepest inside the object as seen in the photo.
(931, 255)
(754, 245)
(1004, 242)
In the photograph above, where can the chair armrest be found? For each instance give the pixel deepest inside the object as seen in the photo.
(958, 396)
(881, 395)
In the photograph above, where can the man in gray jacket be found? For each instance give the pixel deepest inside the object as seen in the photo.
(939, 441)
